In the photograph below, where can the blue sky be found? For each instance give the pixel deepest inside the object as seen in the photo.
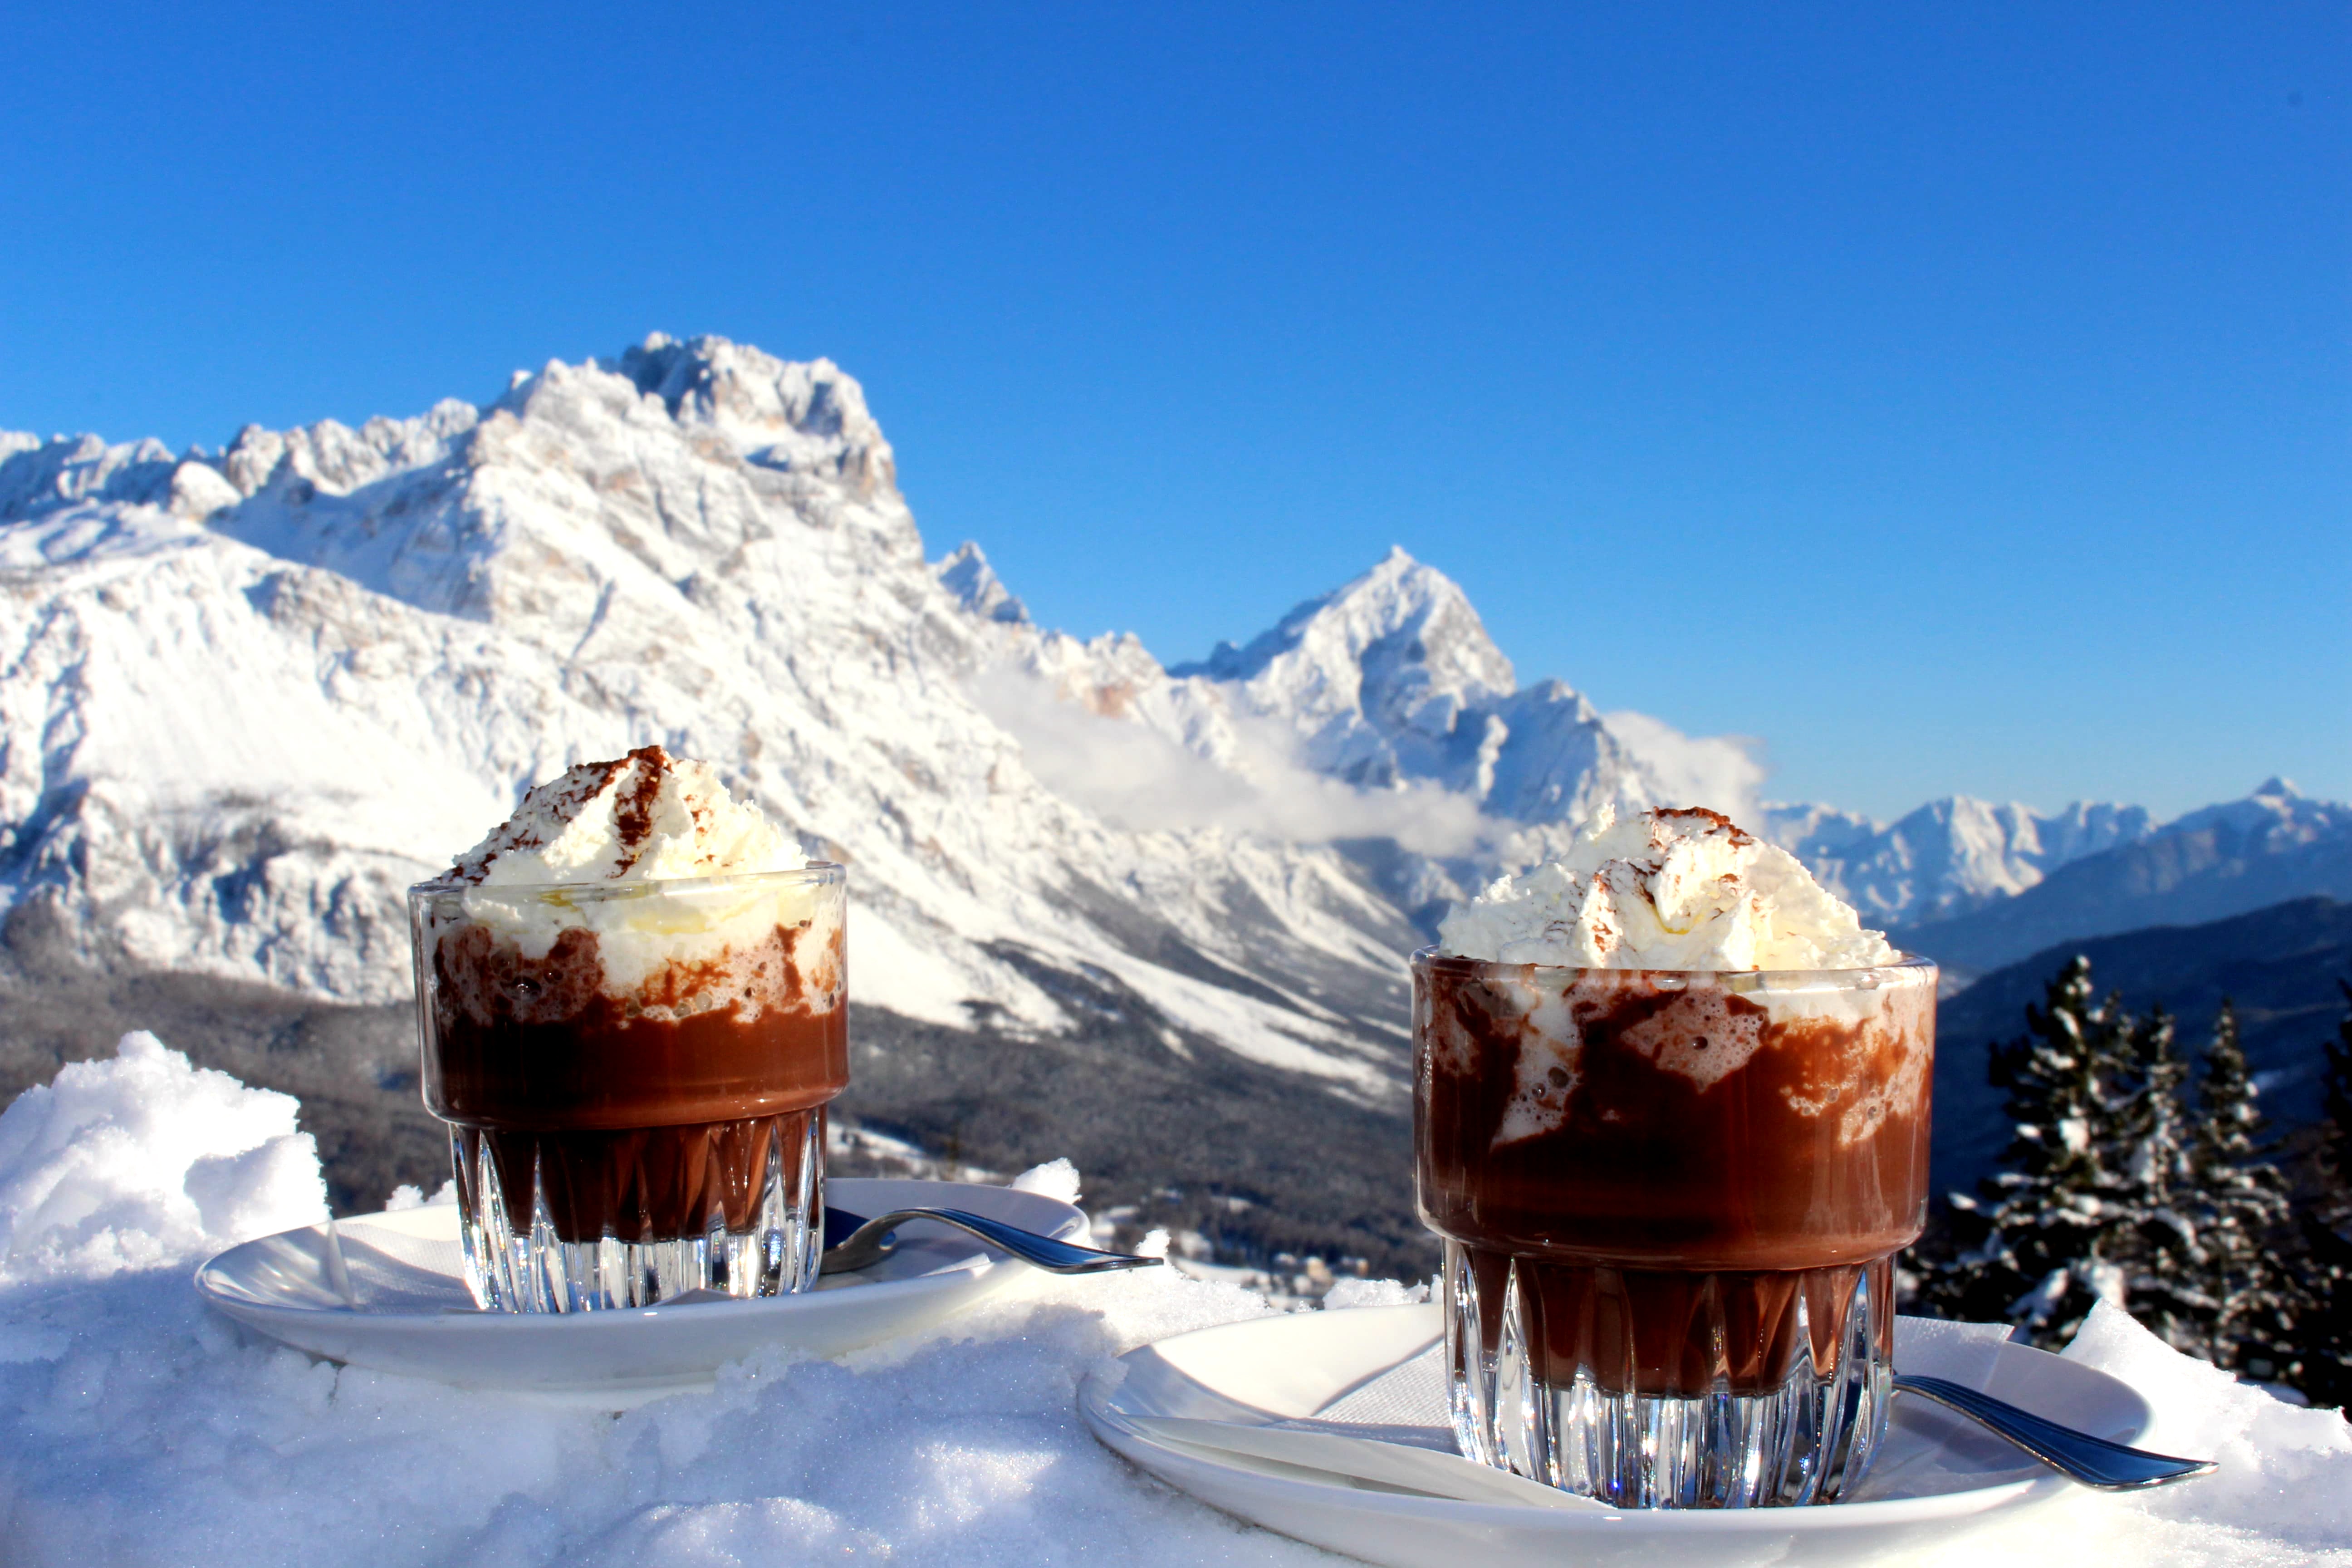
(1955, 399)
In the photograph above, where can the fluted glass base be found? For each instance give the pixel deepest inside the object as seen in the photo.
(575, 1222)
(1664, 1389)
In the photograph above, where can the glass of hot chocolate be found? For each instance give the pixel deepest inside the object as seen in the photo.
(631, 1001)
(1671, 1108)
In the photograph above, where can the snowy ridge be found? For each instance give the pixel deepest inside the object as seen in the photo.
(1949, 857)
(1381, 715)
(2276, 818)
(2272, 845)
(1391, 684)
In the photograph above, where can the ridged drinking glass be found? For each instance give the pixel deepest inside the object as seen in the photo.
(635, 1076)
(1671, 1203)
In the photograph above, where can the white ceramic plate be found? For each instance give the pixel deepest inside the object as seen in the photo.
(410, 1311)
(1375, 1372)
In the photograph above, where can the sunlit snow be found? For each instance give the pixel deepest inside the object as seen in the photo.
(136, 1428)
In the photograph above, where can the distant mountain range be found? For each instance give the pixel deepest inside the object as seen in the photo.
(1948, 857)
(2272, 845)
(247, 696)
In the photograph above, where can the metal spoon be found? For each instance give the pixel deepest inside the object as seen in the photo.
(2094, 1461)
(866, 1241)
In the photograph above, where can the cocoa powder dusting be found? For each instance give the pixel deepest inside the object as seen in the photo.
(1741, 836)
(632, 812)
(476, 867)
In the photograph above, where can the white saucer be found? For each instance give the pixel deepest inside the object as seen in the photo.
(1375, 1372)
(408, 1310)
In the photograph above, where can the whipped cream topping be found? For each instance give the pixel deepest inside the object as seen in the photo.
(616, 849)
(1666, 889)
(647, 816)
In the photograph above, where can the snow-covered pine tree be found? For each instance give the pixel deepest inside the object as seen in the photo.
(2150, 1202)
(2324, 1320)
(2034, 1244)
(2236, 1207)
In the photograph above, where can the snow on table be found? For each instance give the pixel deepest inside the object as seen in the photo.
(135, 1427)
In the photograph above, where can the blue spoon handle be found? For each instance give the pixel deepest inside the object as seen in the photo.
(2094, 1461)
(862, 1242)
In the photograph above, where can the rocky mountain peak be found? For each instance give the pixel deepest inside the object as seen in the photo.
(803, 416)
(614, 487)
(1376, 675)
(1401, 620)
(2276, 814)
(965, 572)
(37, 478)
(333, 457)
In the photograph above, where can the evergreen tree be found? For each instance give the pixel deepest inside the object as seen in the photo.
(2324, 1320)
(2150, 1204)
(2037, 1243)
(2237, 1210)
(2110, 1188)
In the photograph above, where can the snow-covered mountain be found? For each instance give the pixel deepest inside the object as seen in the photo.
(2230, 859)
(245, 697)
(1390, 684)
(1950, 855)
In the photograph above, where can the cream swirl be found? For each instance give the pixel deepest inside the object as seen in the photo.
(647, 816)
(1665, 889)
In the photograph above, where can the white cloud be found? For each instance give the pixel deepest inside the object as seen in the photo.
(1135, 777)
(1722, 772)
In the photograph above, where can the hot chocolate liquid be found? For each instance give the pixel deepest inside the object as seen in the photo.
(1692, 1183)
(643, 1115)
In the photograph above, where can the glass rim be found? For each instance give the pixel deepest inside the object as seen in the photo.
(1902, 964)
(816, 872)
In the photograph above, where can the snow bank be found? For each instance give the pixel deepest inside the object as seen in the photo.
(146, 1160)
(135, 1428)
(2286, 1472)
